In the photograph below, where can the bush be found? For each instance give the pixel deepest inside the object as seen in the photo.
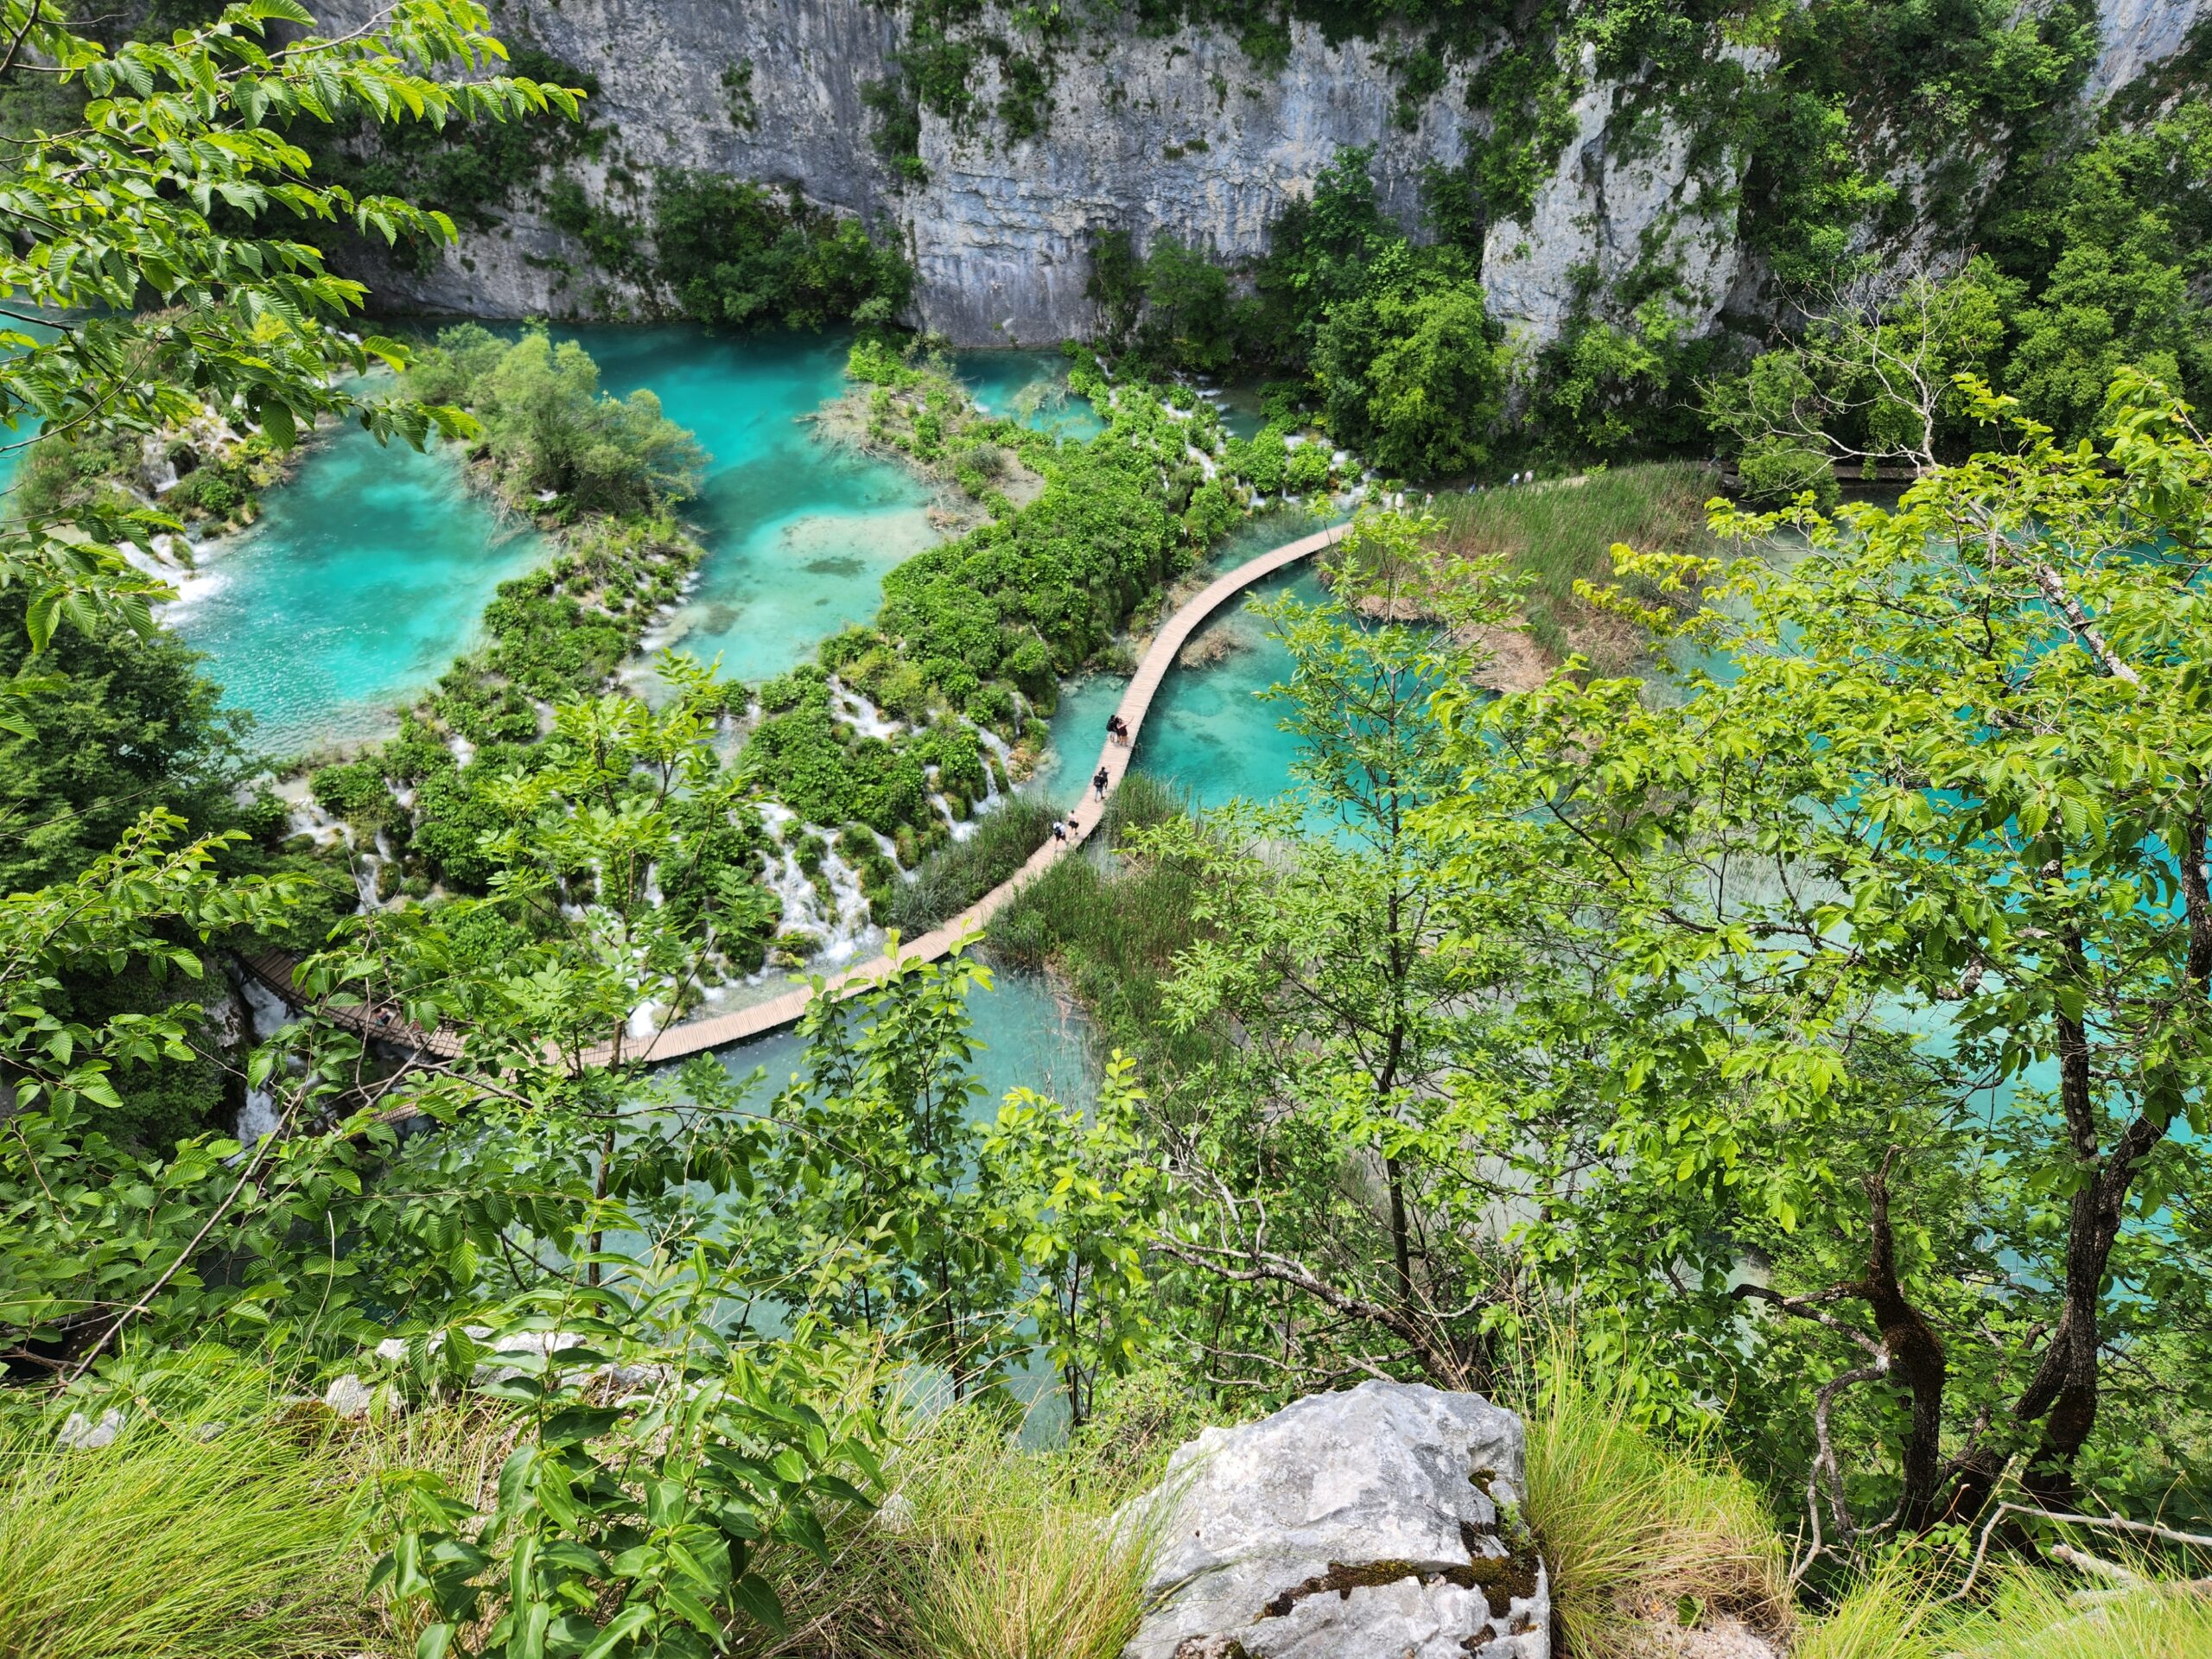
(947, 882)
(732, 252)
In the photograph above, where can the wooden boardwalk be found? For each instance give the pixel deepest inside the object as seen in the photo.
(274, 969)
(721, 1030)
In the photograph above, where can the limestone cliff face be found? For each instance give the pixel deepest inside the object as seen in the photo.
(1179, 135)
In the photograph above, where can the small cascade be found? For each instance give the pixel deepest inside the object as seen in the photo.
(257, 1118)
(367, 867)
(269, 1013)
(840, 929)
(857, 712)
(851, 927)
(463, 750)
(959, 829)
(993, 795)
(309, 819)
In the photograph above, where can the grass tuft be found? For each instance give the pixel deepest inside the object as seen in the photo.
(1629, 1524)
(1111, 928)
(220, 1532)
(983, 1550)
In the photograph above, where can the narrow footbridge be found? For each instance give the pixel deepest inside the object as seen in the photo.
(721, 1030)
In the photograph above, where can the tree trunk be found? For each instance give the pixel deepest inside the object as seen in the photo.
(1915, 1358)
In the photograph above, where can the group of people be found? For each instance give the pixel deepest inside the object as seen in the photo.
(1117, 731)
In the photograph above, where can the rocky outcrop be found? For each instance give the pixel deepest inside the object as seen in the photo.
(1179, 134)
(1382, 1522)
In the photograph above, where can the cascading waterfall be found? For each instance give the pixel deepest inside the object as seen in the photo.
(267, 1014)
(993, 795)
(844, 926)
(857, 712)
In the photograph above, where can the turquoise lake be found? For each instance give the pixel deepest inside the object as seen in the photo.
(364, 579)
(798, 532)
(368, 573)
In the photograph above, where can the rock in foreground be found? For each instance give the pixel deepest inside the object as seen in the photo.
(1379, 1523)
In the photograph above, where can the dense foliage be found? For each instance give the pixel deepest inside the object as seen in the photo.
(1813, 1062)
(735, 252)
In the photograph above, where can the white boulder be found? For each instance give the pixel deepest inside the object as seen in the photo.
(1382, 1522)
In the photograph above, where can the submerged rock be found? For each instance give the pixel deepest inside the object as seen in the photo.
(1382, 1522)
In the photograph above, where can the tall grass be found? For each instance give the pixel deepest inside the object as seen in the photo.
(220, 1533)
(1559, 534)
(949, 880)
(1111, 928)
(2035, 1614)
(983, 1550)
(1630, 1524)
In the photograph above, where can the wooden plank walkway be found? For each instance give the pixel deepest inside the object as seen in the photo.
(387, 1024)
(721, 1030)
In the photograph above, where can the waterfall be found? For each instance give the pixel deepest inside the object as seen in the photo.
(1004, 756)
(851, 926)
(844, 926)
(857, 712)
(257, 1117)
(959, 829)
(269, 1013)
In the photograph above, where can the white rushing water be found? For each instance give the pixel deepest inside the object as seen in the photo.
(843, 926)
(857, 712)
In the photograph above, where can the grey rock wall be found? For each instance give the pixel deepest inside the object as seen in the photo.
(1178, 135)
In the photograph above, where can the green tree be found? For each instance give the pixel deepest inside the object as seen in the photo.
(172, 310)
(112, 723)
(1948, 785)
(1413, 371)
(1333, 1208)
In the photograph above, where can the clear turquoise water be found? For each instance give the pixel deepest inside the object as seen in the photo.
(1032, 386)
(1209, 733)
(1031, 1038)
(798, 533)
(367, 576)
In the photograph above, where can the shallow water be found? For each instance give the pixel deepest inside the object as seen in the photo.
(367, 576)
(1031, 1038)
(798, 533)
(1032, 386)
(1209, 733)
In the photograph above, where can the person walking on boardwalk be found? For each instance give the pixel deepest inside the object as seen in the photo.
(1117, 728)
(1098, 783)
(1060, 832)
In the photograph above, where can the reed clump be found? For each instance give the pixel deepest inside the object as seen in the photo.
(1554, 535)
(953, 878)
(1110, 924)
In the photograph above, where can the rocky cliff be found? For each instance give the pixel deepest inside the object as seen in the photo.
(1182, 133)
